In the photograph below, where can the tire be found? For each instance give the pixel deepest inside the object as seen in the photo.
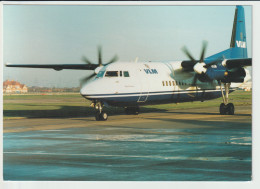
(97, 116)
(222, 109)
(230, 109)
(103, 116)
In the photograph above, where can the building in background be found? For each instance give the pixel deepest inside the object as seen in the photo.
(246, 86)
(14, 87)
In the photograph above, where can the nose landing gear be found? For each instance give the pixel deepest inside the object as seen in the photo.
(100, 114)
(226, 108)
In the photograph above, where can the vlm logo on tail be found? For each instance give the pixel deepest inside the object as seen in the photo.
(241, 44)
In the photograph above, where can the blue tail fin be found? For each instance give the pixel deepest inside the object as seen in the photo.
(238, 39)
(238, 45)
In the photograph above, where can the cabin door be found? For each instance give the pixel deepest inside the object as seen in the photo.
(144, 85)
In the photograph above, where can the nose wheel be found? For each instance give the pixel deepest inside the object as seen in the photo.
(100, 114)
(226, 108)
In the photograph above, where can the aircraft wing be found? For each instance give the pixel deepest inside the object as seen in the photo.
(234, 63)
(56, 67)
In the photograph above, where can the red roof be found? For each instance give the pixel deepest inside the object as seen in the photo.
(7, 82)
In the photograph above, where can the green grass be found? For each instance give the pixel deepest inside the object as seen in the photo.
(239, 98)
(73, 105)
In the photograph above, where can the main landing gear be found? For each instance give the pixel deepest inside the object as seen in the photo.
(226, 108)
(100, 114)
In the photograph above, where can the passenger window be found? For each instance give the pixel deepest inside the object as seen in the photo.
(120, 73)
(163, 83)
(111, 74)
(126, 74)
(170, 83)
(166, 83)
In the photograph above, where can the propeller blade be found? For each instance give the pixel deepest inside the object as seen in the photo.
(84, 59)
(204, 46)
(185, 50)
(99, 56)
(84, 80)
(194, 82)
(114, 59)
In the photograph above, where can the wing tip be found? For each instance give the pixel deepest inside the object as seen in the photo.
(7, 64)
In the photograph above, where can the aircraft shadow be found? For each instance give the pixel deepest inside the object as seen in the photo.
(221, 124)
(81, 111)
(69, 112)
(204, 113)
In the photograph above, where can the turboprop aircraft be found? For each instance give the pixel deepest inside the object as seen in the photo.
(130, 85)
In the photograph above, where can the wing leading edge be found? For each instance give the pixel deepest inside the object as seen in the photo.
(229, 63)
(56, 67)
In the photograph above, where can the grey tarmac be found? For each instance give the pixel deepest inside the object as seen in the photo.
(177, 145)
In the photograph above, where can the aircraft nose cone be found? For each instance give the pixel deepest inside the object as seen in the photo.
(89, 89)
(86, 90)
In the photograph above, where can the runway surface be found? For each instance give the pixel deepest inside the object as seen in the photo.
(178, 145)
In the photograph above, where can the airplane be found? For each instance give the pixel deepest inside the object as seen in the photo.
(131, 85)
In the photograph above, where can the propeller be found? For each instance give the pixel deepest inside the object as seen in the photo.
(99, 63)
(85, 79)
(200, 67)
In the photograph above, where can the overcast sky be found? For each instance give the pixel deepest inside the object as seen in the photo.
(53, 34)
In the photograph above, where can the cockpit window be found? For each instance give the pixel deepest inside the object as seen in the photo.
(111, 74)
(100, 74)
(126, 74)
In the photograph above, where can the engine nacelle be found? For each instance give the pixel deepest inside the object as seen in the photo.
(236, 75)
(216, 74)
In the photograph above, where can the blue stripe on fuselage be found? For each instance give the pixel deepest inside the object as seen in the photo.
(156, 97)
(154, 92)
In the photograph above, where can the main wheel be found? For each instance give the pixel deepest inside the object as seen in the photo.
(222, 109)
(230, 109)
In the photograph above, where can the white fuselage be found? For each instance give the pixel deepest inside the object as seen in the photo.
(134, 84)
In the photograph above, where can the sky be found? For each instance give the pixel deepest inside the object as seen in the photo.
(62, 34)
